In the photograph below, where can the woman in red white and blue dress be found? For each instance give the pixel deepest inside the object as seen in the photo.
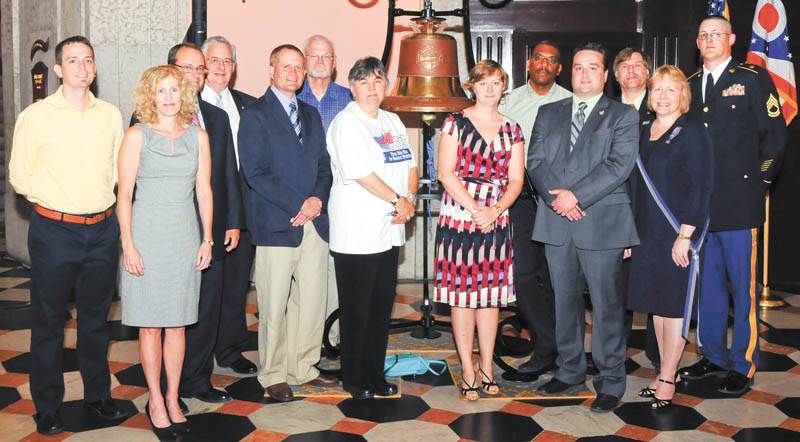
(481, 168)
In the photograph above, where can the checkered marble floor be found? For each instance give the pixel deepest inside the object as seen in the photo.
(429, 409)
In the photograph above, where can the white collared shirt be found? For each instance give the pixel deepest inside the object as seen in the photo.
(210, 96)
(638, 101)
(716, 73)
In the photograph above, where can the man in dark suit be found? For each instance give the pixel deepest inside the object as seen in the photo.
(632, 69)
(740, 106)
(231, 337)
(198, 362)
(582, 152)
(287, 168)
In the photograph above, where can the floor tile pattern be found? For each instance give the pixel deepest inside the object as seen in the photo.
(429, 408)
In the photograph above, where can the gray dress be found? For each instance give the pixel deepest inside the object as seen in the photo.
(167, 234)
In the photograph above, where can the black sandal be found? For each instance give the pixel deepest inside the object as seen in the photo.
(485, 386)
(647, 392)
(469, 389)
(657, 403)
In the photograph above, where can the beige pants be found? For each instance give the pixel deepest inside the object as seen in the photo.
(293, 323)
(332, 300)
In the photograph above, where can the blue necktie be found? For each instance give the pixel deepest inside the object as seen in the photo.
(577, 124)
(219, 102)
(295, 121)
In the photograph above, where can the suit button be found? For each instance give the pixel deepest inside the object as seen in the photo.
(705, 109)
(705, 124)
(745, 176)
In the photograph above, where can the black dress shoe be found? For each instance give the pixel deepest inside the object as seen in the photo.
(181, 427)
(161, 433)
(701, 370)
(383, 388)
(106, 409)
(735, 383)
(359, 391)
(212, 395)
(243, 366)
(553, 387)
(49, 423)
(604, 403)
(537, 368)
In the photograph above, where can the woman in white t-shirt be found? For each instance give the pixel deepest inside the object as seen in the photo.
(374, 180)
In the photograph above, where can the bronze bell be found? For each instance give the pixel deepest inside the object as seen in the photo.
(427, 76)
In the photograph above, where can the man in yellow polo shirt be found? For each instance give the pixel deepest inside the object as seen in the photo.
(64, 161)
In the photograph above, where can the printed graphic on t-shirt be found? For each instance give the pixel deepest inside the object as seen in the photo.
(396, 147)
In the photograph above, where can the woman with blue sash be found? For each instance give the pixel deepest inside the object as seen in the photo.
(671, 193)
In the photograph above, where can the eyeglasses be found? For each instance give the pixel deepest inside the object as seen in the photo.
(712, 35)
(551, 60)
(326, 57)
(187, 68)
(216, 61)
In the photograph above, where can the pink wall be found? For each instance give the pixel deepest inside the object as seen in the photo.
(257, 26)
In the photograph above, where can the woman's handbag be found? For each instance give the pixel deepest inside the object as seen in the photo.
(408, 363)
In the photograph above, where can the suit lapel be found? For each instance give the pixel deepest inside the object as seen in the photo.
(281, 117)
(597, 115)
(564, 120)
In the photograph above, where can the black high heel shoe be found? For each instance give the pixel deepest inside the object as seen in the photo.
(487, 383)
(658, 403)
(647, 392)
(165, 432)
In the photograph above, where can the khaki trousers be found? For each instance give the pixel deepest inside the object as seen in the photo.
(293, 323)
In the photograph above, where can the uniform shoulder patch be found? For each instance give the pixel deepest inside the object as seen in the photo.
(773, 106)
(748, 67)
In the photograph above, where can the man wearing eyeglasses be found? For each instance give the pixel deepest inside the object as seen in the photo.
(228, 220)
(329, 99)
(231, 337)
(740, 106)
(535, 297)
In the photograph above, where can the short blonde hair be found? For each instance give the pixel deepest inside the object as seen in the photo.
(482, 69)
(145, 93)
(676, 75)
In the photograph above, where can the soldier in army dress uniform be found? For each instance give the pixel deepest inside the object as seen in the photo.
(739, 105)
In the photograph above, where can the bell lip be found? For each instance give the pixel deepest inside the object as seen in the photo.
(425, 104)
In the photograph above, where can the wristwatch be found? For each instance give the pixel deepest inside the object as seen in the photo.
(209, 242)
(395, 200)
(411, 197)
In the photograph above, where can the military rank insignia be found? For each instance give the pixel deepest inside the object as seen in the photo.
(773, 106)
(734, 90)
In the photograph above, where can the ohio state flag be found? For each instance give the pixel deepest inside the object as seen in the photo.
(769, 48)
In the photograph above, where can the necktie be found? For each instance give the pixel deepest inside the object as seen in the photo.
(219, 103)
(709, 86)
(295, 121)
(195, 120)
(577, 124)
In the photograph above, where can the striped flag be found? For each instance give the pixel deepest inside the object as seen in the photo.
(719, 7)
(769, 48)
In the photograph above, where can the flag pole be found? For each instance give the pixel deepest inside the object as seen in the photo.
(767, 301)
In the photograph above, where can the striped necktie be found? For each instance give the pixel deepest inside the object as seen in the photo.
(195, 120)
(577, 124)
(295, 121)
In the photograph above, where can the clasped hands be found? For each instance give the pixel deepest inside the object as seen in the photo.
(484, 217)
(566, 204)
(404, 211)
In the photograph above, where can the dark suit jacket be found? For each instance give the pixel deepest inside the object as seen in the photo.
(224, 179)
(281, 173)
(242, 100)
(595, 171)
(749, 136)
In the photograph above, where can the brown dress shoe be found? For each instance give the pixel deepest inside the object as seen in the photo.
(324, 380)
(280, 392)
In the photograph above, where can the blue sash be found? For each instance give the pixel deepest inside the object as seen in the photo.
(694, 268)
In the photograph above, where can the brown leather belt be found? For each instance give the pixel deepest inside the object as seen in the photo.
(75, 219)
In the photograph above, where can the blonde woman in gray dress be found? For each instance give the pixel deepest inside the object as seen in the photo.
(167, 159)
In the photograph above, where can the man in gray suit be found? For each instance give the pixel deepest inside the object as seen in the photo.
(582, 150)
